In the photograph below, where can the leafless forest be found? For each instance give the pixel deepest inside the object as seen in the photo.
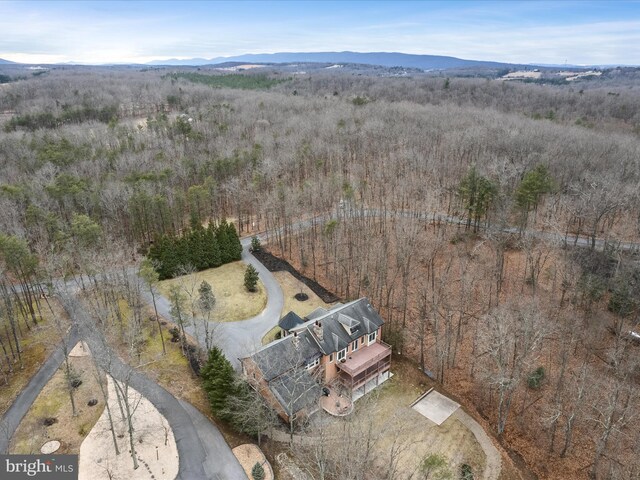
(531, 331)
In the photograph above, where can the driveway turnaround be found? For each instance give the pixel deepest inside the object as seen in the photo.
(203, 452)
(242, 338)
(206, 457)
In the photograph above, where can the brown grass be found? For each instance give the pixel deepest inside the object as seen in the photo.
(290, 287)
(172, 371)
(233, 301)
(392, 404)
(54, 401)
(37, 344)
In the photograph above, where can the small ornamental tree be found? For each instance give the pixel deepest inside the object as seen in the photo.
(435, 467)
(257, 472)
(218, 381)
(251, 278)
(255, 244)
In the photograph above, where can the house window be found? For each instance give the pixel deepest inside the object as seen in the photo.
(330, 357)
(313, 364)
(342, 354)
(372, 337)
(354, 346)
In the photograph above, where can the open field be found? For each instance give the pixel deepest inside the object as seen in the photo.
(54, 402)
(233, 302)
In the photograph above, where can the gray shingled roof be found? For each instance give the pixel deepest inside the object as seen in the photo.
(295, 390)
(286, 354)
(283, 362)
(318, 312)
(337, 323)
(289, 321)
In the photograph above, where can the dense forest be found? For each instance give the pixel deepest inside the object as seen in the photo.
(455, 204)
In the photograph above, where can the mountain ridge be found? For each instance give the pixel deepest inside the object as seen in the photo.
(385, 59)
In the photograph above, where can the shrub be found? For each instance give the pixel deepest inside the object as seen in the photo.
(175, 334)
(255, 244)
(535, 378)
(250, 278)
(257, 472)
(466, 473)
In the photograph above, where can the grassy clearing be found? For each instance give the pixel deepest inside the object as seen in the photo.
(451, 439)
(37, 344)
(54, 401)
(243, 82)
(290, 287)
(233, 302)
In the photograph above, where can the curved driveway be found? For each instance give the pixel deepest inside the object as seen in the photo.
(21, 405)
(203, 451)
(242, 338)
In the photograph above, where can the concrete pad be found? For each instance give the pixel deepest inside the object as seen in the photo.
(436, 407)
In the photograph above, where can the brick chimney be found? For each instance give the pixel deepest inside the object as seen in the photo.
(317, 330)
(295, 339)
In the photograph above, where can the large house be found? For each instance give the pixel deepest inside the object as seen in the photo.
(328, 347)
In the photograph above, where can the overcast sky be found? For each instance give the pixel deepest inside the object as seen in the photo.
(604, 32)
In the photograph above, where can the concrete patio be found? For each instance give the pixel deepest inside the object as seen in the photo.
(337, 403)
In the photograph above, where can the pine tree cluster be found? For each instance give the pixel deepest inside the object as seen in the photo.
(200, 248)
(218, 381)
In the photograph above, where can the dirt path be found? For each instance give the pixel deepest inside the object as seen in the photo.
(494, 460)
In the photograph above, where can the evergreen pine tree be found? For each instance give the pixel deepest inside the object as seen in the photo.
(168, 260)
(197, 249)
(222, 236)
(218, 381)
(235, 247)
(212, 248)
(251, 278)
(257, 472)
(183, 257)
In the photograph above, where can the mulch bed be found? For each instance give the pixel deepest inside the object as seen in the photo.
(275, 264)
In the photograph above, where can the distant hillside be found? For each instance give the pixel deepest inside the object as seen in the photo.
(6, 62)
(385, 59)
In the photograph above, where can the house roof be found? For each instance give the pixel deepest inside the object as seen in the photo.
(342, 325)
(283, 362)
(285, 354)
(295, 390)
(318, 312)
(289, 321)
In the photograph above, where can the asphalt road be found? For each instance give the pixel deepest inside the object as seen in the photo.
(21, 405)
(203, 452)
